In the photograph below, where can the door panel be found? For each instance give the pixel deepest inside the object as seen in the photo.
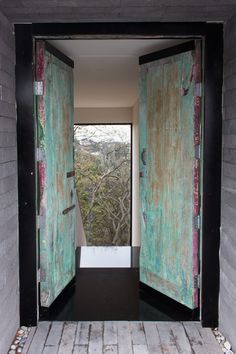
(169, 175)
(55, 173)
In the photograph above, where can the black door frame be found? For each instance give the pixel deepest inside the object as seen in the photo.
(212, 35)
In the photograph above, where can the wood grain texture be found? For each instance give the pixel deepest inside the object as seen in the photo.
(167, 189)
(56, 191)
(160, 337)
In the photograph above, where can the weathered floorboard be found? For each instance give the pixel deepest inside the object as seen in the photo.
(180, 338)
(110, 333)
(194, 338)
(82, 334)
(39, 339)
(167, 341)
(137, 333)
(68, 338)
(55, 333)
(125, 337)
(140, 349)
(152, 337)
(110, 349)
(209, 341)
(96, 338)
(80, 349)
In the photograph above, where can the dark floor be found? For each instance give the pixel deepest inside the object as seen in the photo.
(103, 294)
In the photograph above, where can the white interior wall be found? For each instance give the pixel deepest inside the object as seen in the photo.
(103, 115)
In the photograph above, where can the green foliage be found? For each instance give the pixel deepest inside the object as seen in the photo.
(102, 171)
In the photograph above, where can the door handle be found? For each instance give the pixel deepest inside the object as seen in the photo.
(143, 156)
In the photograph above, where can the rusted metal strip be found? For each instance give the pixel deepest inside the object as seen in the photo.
(70, 174)
(67, 210)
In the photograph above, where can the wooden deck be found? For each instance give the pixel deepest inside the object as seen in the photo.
(120, 338)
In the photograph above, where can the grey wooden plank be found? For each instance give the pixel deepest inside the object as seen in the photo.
(68, 338)
(96, 340)
(180, 338)
(167, 340)
(39, 338)
(194, 337)
(82, 333)
(124, 338)
(137, 333)
(140, 349)
(29, 340)
(152, 337)
(50, 350)
(80, 349)
(110, 333)
(55, 333)
(209, 340)
(110, 349)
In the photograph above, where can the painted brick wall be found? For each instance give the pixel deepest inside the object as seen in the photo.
(9, 268)
(228, 234)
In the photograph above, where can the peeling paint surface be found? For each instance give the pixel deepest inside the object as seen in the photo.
(56, 191)
(169, 176)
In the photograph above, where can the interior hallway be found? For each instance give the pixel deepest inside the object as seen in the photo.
(121, 337)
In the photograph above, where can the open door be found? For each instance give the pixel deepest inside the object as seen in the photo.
(170, 85)
(56, 197)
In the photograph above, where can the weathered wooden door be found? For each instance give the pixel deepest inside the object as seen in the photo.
(170, 171)
(56, 197)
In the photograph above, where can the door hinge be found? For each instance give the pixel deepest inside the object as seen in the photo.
(40, 154)
(39, 275)
(38, 88)
(197, 151)
(197, 222)
(198, 89)
(196, 281)
(39, 222)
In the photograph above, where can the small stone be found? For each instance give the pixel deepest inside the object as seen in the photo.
(13, 346)
(12, 352)
(25, 336)
(227, 345)
(20, 331)
(16, 341)
(19, 350)
(18, 337)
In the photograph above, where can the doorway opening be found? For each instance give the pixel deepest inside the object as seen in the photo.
(43, 32)
(102, 160)
(168, 119)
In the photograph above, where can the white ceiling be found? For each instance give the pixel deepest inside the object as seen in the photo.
(106, 71)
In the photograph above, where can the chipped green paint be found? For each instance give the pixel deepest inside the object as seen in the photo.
(167, 177)
(56, 191)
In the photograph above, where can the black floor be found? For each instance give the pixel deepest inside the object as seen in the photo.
(100, 294)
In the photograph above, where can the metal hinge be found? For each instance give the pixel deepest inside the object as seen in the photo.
(39, 275)
(197, 222)
(196, 281)
(40, 154)
(38, 88)
(198, 89)
(197, 151)
(39, 222)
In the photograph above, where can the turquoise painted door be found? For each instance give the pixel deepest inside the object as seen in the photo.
(56, 197)
(170, 174)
